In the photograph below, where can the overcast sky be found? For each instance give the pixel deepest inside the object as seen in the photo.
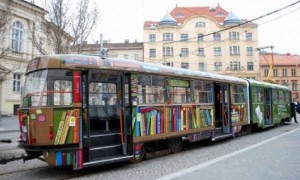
(124, 19)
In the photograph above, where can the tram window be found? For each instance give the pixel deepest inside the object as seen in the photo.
(126, 90)
(102, 93)
(259, 98)
(275, 97)
(238, 94)
(226, 95)
(38, 100)
(48, 88)
(150, 89)
(62, 92)
(286, 97)
(179, 91)
(203, 92)
(280, 96)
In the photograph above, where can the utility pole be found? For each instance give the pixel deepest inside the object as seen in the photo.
(271, 65)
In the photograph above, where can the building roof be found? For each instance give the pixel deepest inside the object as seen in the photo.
(279, 59)
(168, 20)
(180, 14)
(217, 13)
(111, 46)
(232, 19)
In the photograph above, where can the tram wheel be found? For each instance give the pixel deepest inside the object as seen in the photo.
(175, 144)
(249, 129)
(140, 157)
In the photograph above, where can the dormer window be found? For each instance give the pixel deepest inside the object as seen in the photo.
(200, 24)
(179, 15)
(220, 14)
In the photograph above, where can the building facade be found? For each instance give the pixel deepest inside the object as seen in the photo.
(205, 39)
(16, 49)
(285, 71)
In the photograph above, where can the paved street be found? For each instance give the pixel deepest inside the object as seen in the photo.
(270, 154)
(275, 158)
(9, 124)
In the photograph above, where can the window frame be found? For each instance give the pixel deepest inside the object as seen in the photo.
(17, 36)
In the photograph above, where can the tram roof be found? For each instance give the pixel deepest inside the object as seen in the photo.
(266, 84)
(76, 61)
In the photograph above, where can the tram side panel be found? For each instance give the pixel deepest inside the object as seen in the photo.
(269, 105)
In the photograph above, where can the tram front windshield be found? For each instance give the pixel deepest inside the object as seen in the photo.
(47, 88)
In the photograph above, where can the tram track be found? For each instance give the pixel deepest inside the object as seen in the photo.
(23, 170)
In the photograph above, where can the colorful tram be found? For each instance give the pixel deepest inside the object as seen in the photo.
(83, 111)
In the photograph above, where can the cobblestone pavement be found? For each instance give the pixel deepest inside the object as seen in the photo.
(193, 154)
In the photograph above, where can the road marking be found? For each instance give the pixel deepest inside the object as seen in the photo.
(213, 161)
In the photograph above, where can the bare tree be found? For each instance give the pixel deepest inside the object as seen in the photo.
(5, 19)
(83, 23)
(64, 28)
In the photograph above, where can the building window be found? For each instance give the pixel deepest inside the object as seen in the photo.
(180, 15)
(217, 51)
(266, 72)
(249, 36)
(184, 37)
(275, 72)
(200, 52)
(235, 65)
(152, 38)
(169, 64)
(249, 51)
(285, 82)
(152, 52)
(293, 71)
(217, 36)
(234, 35)
(234, 50)
(200, 37)
(218, 66)
(200, 24)
(136, 57)
(201, 67)
(284, 72)
(184, 52)
(220, 14)
(16, 82)
(250, 66)
(17, 36)
(168, 36)
(185, 65)
(294, 85)
(126, 56)
(168, 51)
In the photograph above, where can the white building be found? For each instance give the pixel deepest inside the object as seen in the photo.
(17, 38)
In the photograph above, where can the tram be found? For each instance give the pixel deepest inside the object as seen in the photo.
(82, 111)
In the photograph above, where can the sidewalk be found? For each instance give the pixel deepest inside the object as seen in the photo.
(9, 124)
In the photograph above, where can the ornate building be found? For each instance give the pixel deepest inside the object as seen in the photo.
(16, 49)
(205, 39)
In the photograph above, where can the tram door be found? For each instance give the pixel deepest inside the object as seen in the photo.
(105, 115)
(222, 108)
(268, 106)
